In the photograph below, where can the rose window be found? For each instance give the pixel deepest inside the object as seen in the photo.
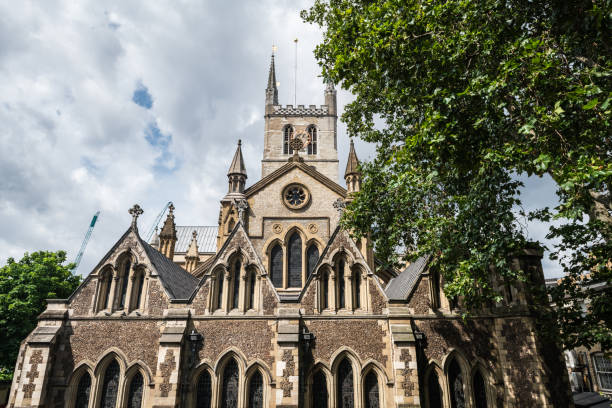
(295, 196)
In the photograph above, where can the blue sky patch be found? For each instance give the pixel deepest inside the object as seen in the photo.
(142, 97)
(166, 162)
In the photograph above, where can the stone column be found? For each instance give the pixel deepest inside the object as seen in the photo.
(287, 359)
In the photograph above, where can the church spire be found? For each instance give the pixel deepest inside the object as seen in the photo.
(271, 89)
(167, 236)
(237, 172)
(352, 175)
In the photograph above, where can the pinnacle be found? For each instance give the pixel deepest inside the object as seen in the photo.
(237, 166)
(352, 164)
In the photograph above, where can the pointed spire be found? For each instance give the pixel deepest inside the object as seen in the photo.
(272, 90)
(193, 245)
(167, 236)
(237, 166)
(352, 164)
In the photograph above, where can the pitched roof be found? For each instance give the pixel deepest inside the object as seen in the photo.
(400, 287)
(352, 164)
(237, 166)
(207, 238)
(179, 283)
(332, 185)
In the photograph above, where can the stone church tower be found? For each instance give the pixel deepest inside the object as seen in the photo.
(278, 306)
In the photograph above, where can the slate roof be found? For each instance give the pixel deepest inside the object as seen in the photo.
(400, 287)
(179, 283)
(207, 238)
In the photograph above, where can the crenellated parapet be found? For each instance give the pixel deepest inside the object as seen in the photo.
(300, 110)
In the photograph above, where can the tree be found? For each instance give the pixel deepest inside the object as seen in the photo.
(461, 97)
(24, 288)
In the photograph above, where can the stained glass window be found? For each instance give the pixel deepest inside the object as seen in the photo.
(252, 282)
(345, 395)
(319, 390)
(124, 283)
(256, 391)
(434, 393)
(236, 283)
(229, 393)
(372, 399)
(357, 289)
(220, 279)
(312, 256)
(276, 266)
(204, 390)
(455, 380)
(83, 391)
(312, 146)
(340, 279)
(295, 261)
(135, 394)
(480, 391)
(110, 385)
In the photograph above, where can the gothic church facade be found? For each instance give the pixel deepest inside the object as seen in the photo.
(277, 306)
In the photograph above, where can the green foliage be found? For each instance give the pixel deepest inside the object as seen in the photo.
(24, 288)
(460, 97)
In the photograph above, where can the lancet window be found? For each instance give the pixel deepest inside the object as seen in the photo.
(236, 285)
(252, 283)
(135, 391)
(325, 289)
(345, 395)
(356, 289)
(110, 386)
(372, 397)
(83, 391)
(220, 279)
(312, 256)
(434, 393)
(229, 390)
(319, 390)
(106, 279)
(276, 266)
(455, 381)
(312, 133)
(124, 283)
(137, 289)
(295, 261)
(204, 390)
(480, 391)
(341, 285)
(256, 391)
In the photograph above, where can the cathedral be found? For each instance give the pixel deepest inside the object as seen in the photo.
(278, 306)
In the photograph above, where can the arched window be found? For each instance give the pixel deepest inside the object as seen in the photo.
(340, 280)
(137, 290)
(312, 146)
(203, 390)
(372, 398)
(319, 390)
(106, 279)
(110, 386)
(236, 285)
(295, 261)
(229, 392)
(312, 256)
(455, 382)
(256, 391)
(252, 282)
(220, 279)
(325, 289)
(480, 391)
(287, 136)
(344, 394)
(124, 283)
(356, 289)
(276, 266)
(434, 393)
(83, 391)
(135, 393)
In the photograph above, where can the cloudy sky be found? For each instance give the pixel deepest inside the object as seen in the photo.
(107, 104)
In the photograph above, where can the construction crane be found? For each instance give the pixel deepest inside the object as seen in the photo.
(79, 256)
(157, 220)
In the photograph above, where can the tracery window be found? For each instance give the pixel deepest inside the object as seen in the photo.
(110, 386)
(252, 282)
(455, 381)
(229, 392)
(434, 393)
(341, 286)
(236, 285)
(356, 290)
(83, 391)
(603, 371)
(220, 279)
(372, 398)
(319, 390)
(203, 390)
(124, 283)
(276, 266)
(312, 146)
(256, 391)
(295, 261)
(312, 256)
(480, 391)
(345, 395)
(135, 393)
(287, 136)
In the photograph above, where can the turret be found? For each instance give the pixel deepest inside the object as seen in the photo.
(167, 236)
(271, 89)
(352, 175)
(330, 98)
(237, 174)
(192, 257)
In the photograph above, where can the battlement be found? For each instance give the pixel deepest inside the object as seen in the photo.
(300, 110)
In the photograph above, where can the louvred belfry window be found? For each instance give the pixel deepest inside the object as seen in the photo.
(110, 386)
(372, 399)
(287, 136)
(319, 390)
(276, 266)
(345, 393)
(312, 146)
(135, 394)
(83, 391)
(203, 390)
(229, 393)
(295, 261)
(256, 391)
(312, 256)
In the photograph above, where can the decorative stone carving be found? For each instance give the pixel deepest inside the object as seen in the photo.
(312, 228)
(277, 228)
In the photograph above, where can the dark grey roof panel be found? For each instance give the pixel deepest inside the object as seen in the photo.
(400, 287)
(207, 238)
(178, 282)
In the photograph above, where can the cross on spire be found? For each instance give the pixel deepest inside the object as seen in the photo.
(135, 212)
